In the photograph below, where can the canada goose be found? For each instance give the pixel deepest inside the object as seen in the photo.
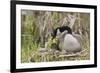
(70, 42)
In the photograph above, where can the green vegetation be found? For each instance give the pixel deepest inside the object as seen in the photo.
(36, 29)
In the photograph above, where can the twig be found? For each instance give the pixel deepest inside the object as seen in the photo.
(74, 54)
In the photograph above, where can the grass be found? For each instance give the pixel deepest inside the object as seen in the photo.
(27, 52)
(31, 54)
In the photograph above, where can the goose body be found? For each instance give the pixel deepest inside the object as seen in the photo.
(70, 44)
(68, 41)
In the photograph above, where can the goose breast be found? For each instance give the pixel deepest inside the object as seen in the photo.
(71, 43)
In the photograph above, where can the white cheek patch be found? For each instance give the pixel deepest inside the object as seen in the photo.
(58, 32)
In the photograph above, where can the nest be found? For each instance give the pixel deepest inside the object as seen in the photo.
(55, 55)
